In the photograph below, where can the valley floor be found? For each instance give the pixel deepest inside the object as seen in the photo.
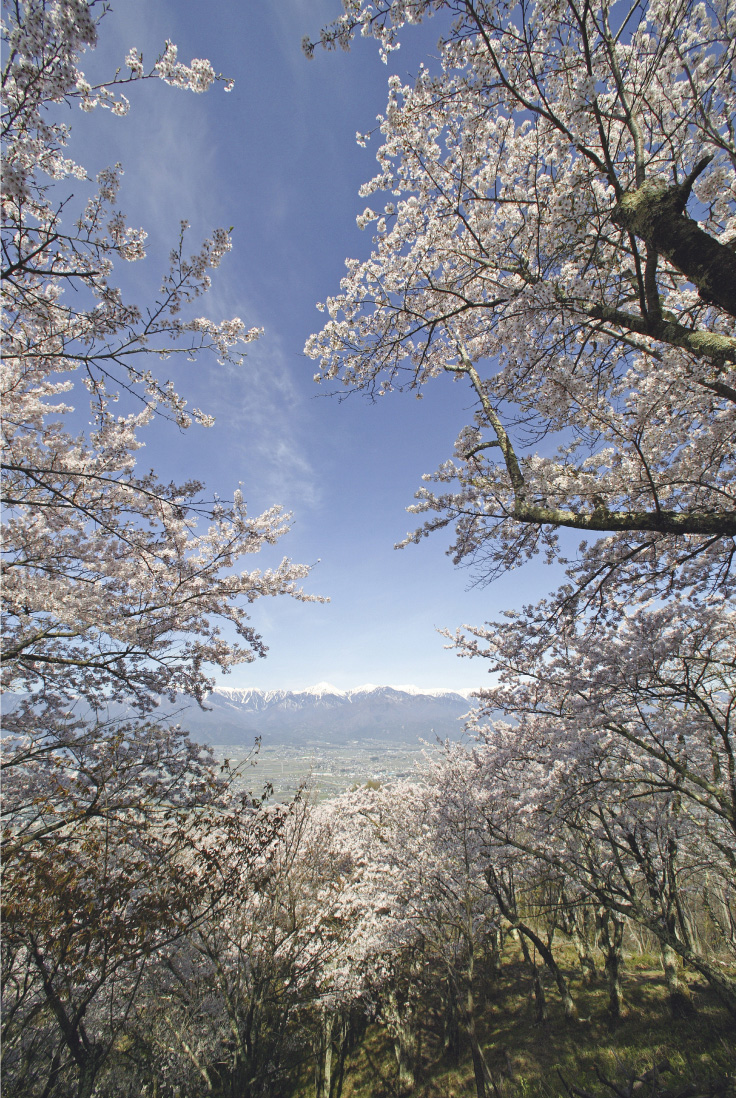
(325, 767)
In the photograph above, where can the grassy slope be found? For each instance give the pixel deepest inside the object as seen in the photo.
(525, 1059)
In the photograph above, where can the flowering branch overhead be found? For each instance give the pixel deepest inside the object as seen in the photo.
(532, 238)
(114, 582)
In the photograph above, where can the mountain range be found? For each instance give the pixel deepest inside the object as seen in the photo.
(403, 713)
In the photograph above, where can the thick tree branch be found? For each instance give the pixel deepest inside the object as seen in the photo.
(712, 344)
(656, 214)
(601, 520)
(720, 523)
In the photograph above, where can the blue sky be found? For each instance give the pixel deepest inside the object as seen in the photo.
(277, 159)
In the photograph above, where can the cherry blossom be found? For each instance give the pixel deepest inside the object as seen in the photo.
(114, 582)
(615, 763)
(538, 248)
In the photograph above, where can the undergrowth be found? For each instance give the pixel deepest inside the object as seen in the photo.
(647, 1053)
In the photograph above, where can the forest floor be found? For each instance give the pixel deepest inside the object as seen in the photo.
(531, 1060)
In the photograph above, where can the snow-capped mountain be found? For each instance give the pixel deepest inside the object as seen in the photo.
(323, 711)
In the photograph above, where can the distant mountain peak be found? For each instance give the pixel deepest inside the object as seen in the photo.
(432, 691)
(322, 688)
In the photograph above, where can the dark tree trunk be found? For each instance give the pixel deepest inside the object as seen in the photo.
(323, 1059)
(545, 952)
(451, 1025)
(480, 1069)
(612, 936)
(495, 939)
(403, 1025)
(656, 214)
(88, 1070)
(539, 997)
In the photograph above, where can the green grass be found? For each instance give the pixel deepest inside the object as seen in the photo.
(527, 1060)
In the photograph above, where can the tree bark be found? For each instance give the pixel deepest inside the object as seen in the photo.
(545, 952)
(342, 1050)
(678, 993)
(323, 1065)
(479, 1066)
(403, 1026)
(656, 214)
(585, 957)
(495, 939)
(539, 997)
(88, 1073)
(451, 1025)
(575, 923)
(612, 936)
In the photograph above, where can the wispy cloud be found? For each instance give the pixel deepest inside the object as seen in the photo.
(267, 421)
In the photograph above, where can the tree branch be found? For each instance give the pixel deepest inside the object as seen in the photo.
(711, 344)
(601, 520)
(656, 213)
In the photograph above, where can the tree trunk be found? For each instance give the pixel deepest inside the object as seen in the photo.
(506, 900)
(495, 940)
(478, 1062)
(323, 1065)
(656, 214)
(480, 1068)
(539, 997)
(678, 993)
(575, 921)
(403, 1028)
(88, 1073)
(585, 957)
(568, 1003)
(612, 936)
(451, 1025)
(347, 1039)
(723, 985)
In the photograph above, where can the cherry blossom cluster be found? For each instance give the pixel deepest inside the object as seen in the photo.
(196, 77)
(113, 581)
(513, 255)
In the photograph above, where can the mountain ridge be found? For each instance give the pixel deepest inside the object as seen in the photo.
(235, 714)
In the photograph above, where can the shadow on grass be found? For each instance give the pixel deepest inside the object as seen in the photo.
(561, 1059)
